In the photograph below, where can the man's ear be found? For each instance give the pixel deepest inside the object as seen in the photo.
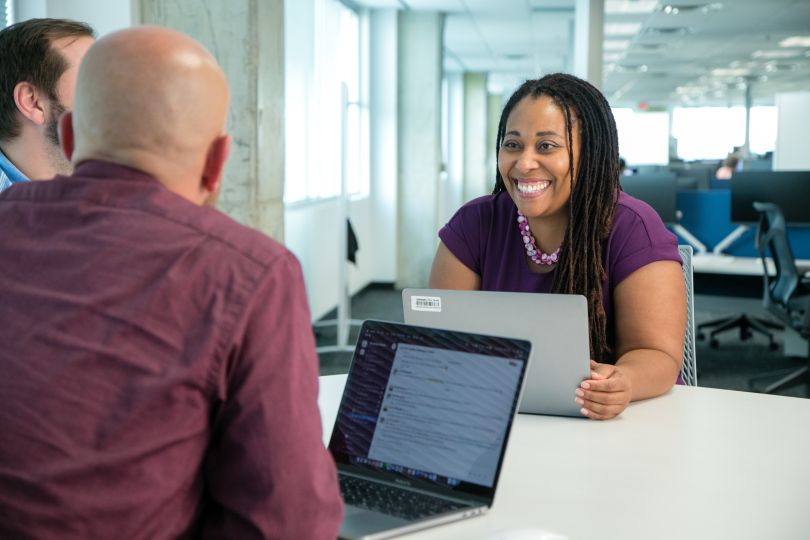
(29, 101)
(215, 163)
(66, 140)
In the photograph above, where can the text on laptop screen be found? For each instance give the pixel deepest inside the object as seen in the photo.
(429, 404)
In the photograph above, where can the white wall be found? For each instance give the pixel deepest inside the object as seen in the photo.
(791, 132)
(311, 232)
(312, 229)
(30, 9)
(104, 16)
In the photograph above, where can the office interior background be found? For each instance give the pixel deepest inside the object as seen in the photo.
(384, 112)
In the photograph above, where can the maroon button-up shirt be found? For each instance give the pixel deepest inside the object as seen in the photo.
(158, 375)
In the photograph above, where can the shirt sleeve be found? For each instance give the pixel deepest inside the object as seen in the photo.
(463, 234)
(267, 472)
(639, 238)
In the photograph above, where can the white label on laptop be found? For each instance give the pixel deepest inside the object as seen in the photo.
(426, 303)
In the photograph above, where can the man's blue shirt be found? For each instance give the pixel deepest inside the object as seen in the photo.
(9, 174)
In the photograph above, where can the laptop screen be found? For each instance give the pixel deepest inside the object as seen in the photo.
(430, 405)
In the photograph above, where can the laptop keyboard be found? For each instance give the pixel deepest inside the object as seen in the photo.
(392, 501)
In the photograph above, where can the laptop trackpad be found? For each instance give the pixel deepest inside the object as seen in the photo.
(358, 522)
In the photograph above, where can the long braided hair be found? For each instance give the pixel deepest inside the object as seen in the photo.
(593, 190)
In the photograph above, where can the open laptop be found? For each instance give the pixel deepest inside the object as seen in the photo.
(422, 427)
(556, 325)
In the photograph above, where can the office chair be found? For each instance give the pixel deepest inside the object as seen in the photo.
(780, 291)
(747, 325)
(689, 367)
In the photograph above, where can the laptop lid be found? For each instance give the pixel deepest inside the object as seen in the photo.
(429, 408)
(556, 325)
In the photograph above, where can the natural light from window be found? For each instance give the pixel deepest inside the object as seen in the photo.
(643, 136)
(704, 133)
(314, 120)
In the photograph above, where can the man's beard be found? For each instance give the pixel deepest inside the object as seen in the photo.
(57, 158)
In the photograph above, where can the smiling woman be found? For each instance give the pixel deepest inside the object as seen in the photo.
(557, 221)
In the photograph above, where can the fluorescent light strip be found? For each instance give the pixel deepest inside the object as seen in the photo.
(795, 41)
(616, 44)
(626, 7)
(622, 29)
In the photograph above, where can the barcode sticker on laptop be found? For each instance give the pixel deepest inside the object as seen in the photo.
(426, 303)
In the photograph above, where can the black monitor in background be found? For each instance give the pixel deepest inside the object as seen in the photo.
(659, 190)
(790, 190)
(684, 183)
(756, 165)
(699, 175)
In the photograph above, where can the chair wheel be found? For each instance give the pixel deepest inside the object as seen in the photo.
(714, 343)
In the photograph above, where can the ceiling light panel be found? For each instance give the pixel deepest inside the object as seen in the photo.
(771, 55)
(730, 72)
(616, 44)
(447, 6)
(622, 29)
(795, 41)
(629, 7)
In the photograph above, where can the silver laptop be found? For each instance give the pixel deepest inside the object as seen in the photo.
(556, 325)
(422, 427)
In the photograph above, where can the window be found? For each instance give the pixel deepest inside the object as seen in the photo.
(643, 136)
(713, 132)
(8, 13)
(319, 64)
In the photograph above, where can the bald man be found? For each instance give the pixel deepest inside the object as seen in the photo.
(158, 376)
(39, 60)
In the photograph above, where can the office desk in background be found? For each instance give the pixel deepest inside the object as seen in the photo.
(696, 463)
(711, 263)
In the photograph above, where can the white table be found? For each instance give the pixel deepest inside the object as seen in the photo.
(710, 263)
(695, 463)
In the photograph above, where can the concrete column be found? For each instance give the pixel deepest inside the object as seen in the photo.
(451, 195)
(494, 107)
(383, 141)
(589, 20)
(420, 56)
(475, 135)
(104, 16)
(247, 38)
(746, 152)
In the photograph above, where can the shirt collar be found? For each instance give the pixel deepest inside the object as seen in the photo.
(12, 172)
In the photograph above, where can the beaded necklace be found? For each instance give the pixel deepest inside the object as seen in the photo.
(534, 252)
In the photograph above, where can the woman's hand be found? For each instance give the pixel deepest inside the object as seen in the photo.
(606, 394)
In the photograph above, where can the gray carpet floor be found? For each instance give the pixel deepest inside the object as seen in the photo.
(731, 365)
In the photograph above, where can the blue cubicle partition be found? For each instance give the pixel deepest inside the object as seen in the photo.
(707, 215)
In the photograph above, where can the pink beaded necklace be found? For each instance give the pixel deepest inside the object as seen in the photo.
(534, 252)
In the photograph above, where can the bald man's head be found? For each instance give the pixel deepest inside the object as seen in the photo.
(155, 100)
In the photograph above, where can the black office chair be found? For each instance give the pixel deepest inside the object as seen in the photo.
(781, 292)
(747, 325)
